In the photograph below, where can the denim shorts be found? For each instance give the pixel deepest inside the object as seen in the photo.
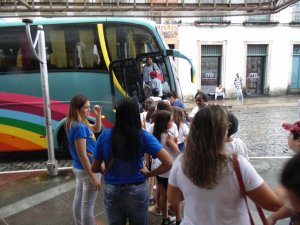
(124, 202)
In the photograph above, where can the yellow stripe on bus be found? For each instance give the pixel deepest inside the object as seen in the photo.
(106, 58)
(15, 132)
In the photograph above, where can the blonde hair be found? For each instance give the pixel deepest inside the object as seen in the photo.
(76, 103)
(178, 116)
(204, 156)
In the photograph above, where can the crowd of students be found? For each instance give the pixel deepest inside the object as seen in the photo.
(188, 158)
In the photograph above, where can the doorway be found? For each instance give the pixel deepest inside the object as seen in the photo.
(210, 67)
(295, 81)
(255, 72)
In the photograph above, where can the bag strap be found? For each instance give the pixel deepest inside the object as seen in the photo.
(237, 170)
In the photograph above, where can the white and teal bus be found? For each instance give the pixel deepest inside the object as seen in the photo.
(101, 58)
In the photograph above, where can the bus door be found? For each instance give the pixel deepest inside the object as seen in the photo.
(125, 80)
(158, 64)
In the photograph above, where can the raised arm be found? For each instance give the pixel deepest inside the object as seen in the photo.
(96, 127)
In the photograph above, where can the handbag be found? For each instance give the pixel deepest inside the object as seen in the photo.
(237, 170)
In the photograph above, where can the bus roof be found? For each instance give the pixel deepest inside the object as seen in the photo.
(65, 20)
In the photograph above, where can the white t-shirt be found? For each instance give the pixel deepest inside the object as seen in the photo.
(237, 146)
(182, 132)
(155, 98)
(156, 162)
(173, 130)
(222, 205)
(195, 110)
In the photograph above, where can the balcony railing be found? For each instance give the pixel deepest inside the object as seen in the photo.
(141, 8)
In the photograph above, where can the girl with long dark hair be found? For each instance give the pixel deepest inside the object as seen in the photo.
(122, 150)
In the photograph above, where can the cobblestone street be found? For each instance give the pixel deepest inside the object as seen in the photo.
(260, 128)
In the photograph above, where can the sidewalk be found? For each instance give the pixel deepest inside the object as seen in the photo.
(34, 198)
(288, 100)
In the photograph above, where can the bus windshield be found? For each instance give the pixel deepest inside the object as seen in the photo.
(125, 41)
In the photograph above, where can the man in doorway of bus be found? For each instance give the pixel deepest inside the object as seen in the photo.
(238, 83)
(148, 68)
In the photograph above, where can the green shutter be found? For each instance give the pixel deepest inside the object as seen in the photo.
(211, 50)
(257, 50)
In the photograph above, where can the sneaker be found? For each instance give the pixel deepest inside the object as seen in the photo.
(154, 210)
(170, 220)
(178, 222)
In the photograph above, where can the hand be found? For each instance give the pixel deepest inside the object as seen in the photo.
(270, 220)
(96, 183)
(185, 114)
(145, 171)
(97, 110)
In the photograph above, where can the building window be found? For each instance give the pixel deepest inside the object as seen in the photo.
(296, 13)
(259, 18)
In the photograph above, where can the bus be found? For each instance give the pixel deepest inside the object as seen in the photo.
(101, 58)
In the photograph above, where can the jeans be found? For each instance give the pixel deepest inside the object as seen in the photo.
(239, 93)
(84, 199)
(128, 201)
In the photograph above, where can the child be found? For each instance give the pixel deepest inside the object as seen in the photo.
(174, 100)
(149, 107)
(290, 179)
(155, 95)
(155, 83)
(235, 145)
(183, 129)
(163, 122)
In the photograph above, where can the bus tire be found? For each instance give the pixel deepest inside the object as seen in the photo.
(63, 143)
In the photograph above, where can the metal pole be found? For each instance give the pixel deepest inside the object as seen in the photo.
(51, 163)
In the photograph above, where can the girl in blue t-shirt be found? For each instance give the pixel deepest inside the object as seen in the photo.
(82, 142)
(122, 150)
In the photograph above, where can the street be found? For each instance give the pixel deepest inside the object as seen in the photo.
(259, 127)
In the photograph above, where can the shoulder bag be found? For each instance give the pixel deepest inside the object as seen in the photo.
(237, 170)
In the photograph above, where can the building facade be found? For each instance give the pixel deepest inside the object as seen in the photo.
(263, 50)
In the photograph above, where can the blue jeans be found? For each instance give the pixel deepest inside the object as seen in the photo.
(84, 199)
(130, 201)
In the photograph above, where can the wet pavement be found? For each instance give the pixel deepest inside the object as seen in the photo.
(34, 198)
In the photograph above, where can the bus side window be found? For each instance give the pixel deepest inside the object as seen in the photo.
(25, 58)
(9, 60)
(58, 44)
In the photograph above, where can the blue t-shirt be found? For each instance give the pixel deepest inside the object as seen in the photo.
(178, 103)
(79, 130)
(125, 172)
